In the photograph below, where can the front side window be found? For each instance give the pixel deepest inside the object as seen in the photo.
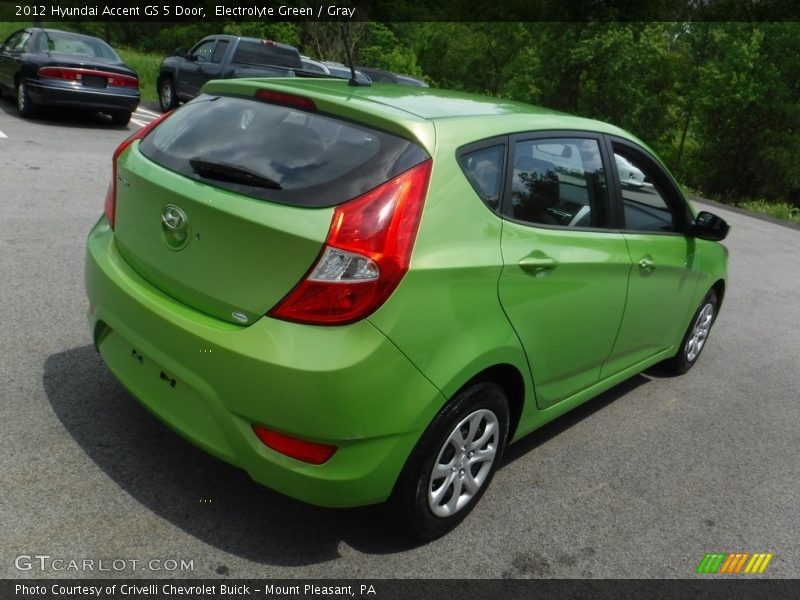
(644, 200)
(559, 182)
(204, 51)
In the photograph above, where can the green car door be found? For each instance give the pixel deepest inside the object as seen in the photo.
(565, 275)
(665, 269)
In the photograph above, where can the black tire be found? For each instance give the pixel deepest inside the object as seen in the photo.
(121, 118)
(483, 405)
(167, 97)
(688, 353)
(26, 107)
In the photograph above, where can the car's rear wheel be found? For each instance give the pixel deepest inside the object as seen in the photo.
(696, 335)
(167, 97)
(121, 118)
(453, 463)
(26, 107)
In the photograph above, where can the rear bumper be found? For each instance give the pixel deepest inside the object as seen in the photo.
(70, 95)
(211, 380)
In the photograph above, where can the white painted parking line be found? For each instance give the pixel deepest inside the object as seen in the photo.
(147, 112)
(139, 123)
(3, 135)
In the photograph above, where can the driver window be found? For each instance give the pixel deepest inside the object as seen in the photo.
(643, 200)
(559, 182)
(204, 51)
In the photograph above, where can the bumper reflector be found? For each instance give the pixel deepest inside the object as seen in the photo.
(309, 452)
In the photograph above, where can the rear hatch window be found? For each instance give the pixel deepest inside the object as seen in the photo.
(267, 53)
(277, 153)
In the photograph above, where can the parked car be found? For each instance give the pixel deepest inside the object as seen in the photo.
(314, 66)
(343, 72)
(339, 290)
(47, 67)
(181, 76)
(381, 76)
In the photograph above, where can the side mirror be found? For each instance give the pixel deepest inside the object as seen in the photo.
(708, 226)
(181, 52)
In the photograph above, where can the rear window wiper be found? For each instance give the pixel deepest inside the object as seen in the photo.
(231, 173)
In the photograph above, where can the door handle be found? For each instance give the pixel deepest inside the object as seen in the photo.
(647, 265)
(537, 263)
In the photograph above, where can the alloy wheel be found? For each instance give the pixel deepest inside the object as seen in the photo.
(702, 326)
(166, 95)
(464, 462)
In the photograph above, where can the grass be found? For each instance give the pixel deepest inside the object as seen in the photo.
(784, 211)
(9, 27)
(777, 210)
(146, 65)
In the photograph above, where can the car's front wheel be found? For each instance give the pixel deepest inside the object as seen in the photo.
(453, 463)
(167, 97)
(696, 336)
(25, 105)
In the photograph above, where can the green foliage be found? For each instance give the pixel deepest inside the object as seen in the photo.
(146, 65)
(381, 48)
(778, 210)
(286, 33)
(719, 100)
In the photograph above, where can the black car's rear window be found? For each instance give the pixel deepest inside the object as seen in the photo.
(314, 160)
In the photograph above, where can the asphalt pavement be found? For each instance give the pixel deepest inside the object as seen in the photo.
(640, 482)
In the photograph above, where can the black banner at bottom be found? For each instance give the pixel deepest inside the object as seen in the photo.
(392, 589)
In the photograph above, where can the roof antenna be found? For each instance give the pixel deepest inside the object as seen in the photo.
(353, 80)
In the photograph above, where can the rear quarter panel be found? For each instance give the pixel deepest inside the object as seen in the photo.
(445, 315)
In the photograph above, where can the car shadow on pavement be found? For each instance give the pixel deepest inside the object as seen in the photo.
(207, 498)
(564, 422)
(52, 116)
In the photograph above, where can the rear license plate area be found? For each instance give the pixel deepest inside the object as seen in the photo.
(94, 81)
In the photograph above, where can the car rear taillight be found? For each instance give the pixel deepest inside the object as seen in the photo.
(310, 452)
(110, 205)
(76, 74)
(366, 254)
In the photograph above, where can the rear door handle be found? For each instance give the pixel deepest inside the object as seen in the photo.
(537, 263)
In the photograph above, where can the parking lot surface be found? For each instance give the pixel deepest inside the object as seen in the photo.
(640, 482)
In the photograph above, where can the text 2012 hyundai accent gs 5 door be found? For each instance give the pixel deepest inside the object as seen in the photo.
(364, 293)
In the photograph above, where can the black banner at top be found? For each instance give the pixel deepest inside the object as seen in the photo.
(397, 10)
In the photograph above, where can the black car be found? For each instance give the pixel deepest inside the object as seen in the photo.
(58, 68)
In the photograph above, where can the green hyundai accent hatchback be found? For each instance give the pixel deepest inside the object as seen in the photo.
(362, 294)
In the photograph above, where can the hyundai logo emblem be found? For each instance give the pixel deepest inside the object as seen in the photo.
(174, 218)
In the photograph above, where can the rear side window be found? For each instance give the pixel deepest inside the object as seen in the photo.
(484, 170)
(294, 157)
(219, 51)
(559, 182)
(266, 53)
